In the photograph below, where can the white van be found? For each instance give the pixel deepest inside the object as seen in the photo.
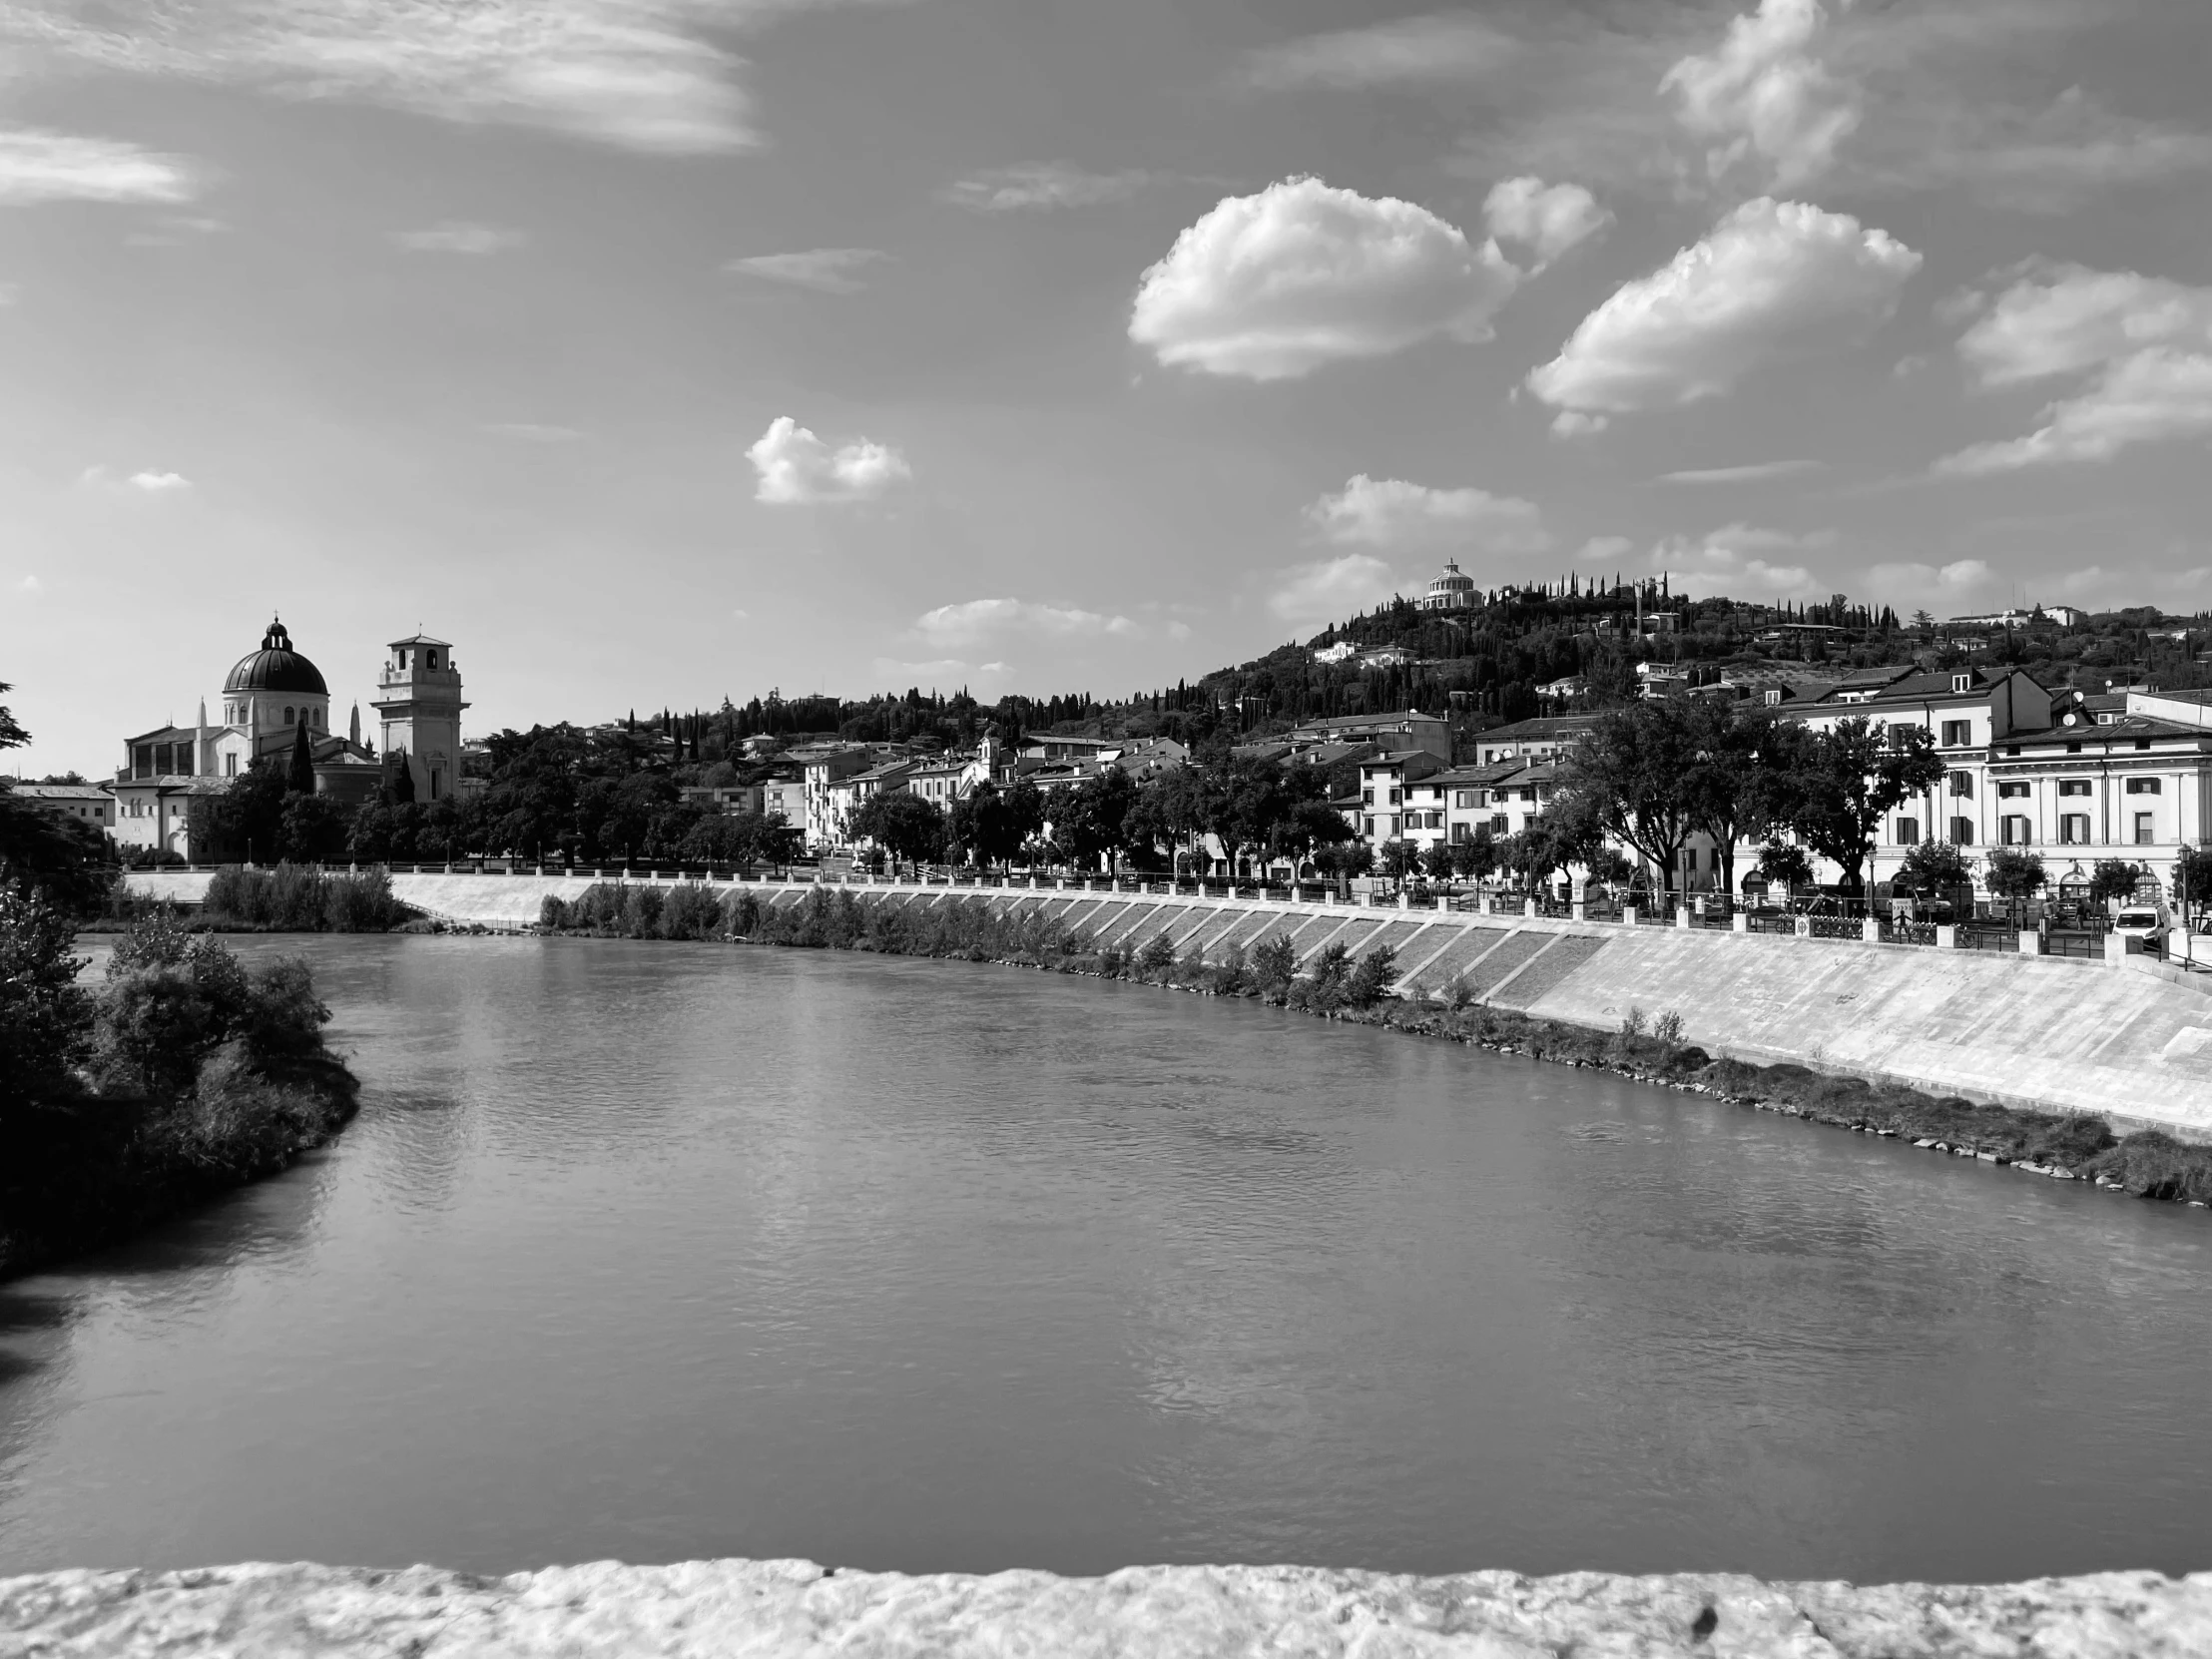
(2141, 922)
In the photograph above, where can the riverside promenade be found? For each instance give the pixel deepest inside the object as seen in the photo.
(2125, 1038)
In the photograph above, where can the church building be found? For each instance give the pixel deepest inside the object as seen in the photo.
(268, 697)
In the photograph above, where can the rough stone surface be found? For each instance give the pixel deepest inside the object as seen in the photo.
(742, 1608)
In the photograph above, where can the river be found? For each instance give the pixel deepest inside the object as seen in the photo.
(658, 1251)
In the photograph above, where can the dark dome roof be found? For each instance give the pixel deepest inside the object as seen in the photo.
(277, 668)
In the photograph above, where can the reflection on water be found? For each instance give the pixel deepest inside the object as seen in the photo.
(664, 1251)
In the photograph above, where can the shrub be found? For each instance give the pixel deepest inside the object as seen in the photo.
(361, 903)
(1372, 977)
(1668, 1030)
(1633, 1026)
(740, 912)
(640, 912)
(552, 913)
(1157, 957)
(690, 912)
(1459, 991)
(43, 1014)
(1274, 966)
(2151, 1164)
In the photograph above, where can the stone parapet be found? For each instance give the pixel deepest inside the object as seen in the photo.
(797, 1611)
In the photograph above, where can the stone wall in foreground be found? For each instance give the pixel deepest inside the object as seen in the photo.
(797, 1611)
(2037, 1032)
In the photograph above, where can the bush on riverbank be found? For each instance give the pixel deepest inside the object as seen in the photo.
(300, 898)
(184, 1074)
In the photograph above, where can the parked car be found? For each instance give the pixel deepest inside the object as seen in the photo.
(2139, 922)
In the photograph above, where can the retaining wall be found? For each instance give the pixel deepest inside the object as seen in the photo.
(2041, 1032)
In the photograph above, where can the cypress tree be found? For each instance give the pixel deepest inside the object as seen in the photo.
(300, 778)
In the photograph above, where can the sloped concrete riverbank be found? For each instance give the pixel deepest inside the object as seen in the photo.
(2036, 1032)
(794, 1609)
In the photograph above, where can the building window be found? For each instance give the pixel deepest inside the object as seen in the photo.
(1908, 832)
(1460, 835)
(2013, 792)
(1370, 824)
(2012, 831)
(2073, 749)
(1497, 824)
(2073, 828)
(1367, 797)
(1961, 831)
(288, 721)
(2143, 785)
(1957, 734)
(1397, 796)
(1689, 859)
(1961, 785)
(2073, 785)
(2146, 828)
(2142, 742)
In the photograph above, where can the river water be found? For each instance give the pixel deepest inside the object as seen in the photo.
(659, 1251)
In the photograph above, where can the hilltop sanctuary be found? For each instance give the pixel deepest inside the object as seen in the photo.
(270, 696)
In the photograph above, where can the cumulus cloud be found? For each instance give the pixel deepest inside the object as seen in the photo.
(1774, 279)
(1328, 590)
(1546, 218)
(939, 669)
(825, 269)
(37, 165)
(1389, 512)
(158, 483)
(1271, 287)
(647, 75)
(1749, 473)
(1764, 96)
(1936, 582)
(460, 235)
(2139, 348)
(1455, 46)
(1741, 559)
(1039, 185)
(798, 470)
(980, 619)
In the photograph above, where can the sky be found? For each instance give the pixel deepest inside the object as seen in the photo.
(657, 351)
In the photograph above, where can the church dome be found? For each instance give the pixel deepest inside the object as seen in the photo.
(277, 668)
(1452, 581)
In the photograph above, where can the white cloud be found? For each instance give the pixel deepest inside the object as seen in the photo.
(41, 165)
(1914, 581)
(799, 469)
(939, 669)
(2153, 396)
(1328, 590)
(1732, 560)
(158, 483)
(459, 236)
(1764, 96)
(1036, 187)
(2054, 157)
(1547, 218)
(979, 619)
(2140, 345)
(2065, 318)
(1413, 50)
(647, 75)
(29, 584)
(1389, 512)
(1740, 474)
(1273, 286)
(825, 269)
(1572, 423)
(1774, 279)
(1604, 547)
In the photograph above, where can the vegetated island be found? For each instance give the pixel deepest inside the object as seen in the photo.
(182, 1075)
(2075, 1146)
(291, 898)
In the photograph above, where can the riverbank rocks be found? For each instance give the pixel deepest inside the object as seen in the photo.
(736, 1609)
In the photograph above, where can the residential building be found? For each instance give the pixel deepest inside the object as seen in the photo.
(850, 795)
(1531, 739)
(1147, 756)
(1384, 782)
(786, 798)
(1392, 733)
(1482, 801)
(84, 803)
(1340, 652)
(1386, 656)
(729, 797)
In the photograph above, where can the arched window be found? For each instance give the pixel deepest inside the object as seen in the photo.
(287, 715)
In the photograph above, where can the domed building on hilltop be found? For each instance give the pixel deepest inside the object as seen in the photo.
(268, 699)
(1452, 591)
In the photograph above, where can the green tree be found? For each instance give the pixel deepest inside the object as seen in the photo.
(1837, 785)
(2192, 878)
(2113, 879)
(1732, 784)
(1091, 819)
(1936, 867)
(2012, 873)
(67, 859)
(300, 772)
(903, 825)
(45, 1018)
(1372, 977)
(1632, 775)
(1475, 857)
(1786, 862)
(1399, 859)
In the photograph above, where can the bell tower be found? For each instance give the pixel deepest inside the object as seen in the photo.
(420, 699)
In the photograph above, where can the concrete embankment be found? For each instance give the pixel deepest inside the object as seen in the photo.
(791, 1609)
(2044, 1033)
